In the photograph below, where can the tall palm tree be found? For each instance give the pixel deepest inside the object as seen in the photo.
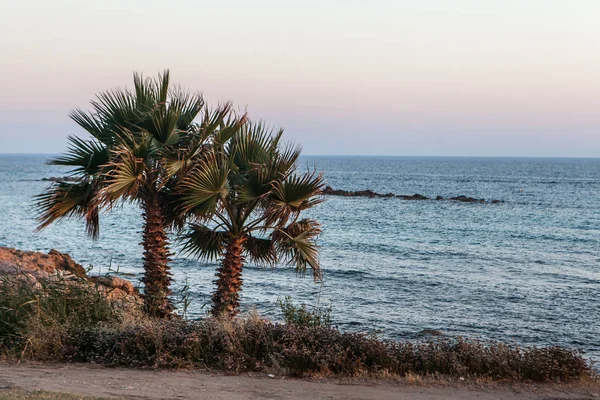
(247, 199)
(142, 142)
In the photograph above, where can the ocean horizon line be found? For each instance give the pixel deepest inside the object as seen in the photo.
(385, 156)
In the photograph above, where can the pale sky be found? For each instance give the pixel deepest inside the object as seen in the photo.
(427, 77)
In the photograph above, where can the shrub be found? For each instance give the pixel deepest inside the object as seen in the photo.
(31, 308)
(462, 357)
(258, 345)
(64, 322)
(302, 315)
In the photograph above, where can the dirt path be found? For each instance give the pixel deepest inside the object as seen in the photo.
(139, 384)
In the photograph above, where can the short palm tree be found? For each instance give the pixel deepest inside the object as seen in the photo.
(142, 142)
(247, 199)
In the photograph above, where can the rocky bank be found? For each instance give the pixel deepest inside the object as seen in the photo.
(35, 266)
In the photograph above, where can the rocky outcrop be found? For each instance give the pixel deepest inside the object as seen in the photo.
(466, 199)
(362, 193)
(415, 196)
(371, 194)
(35, 266)
(60, 179)
(115, 284)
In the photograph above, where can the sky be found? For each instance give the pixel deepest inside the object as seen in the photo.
(422, 78)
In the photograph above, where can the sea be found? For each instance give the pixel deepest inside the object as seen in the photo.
(524, 271)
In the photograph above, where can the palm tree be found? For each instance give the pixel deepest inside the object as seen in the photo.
(142, 142)
(247, 199)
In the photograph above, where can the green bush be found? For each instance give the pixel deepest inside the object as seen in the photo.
(302, 315)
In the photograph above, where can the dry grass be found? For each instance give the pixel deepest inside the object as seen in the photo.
(79, 333)
(36, 318)
(50, 302)
(258, 345)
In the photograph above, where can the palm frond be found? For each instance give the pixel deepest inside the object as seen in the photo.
(212, 120)
(298, 191)
(145, 96)
(204, 243)
(174, 163)
(297, 242)
(173, 111)
(205, 185)
(251, 146)
(261, 251)
(127, 172)
(189, 106)
(117, 110)
(163, 126)
(87, 156)
(293, 195)
(64, 200)
(162, 86)
(180, 160)
(228, 128)
(255, 185)
(93, 125)
(276, 138)
(285, 160)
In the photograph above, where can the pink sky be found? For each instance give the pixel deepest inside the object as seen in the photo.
(490, 78)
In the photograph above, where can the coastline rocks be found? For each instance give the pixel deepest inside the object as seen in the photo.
(466, 199)
(60, 179)
(38, 264)
(114, 282)
(362, 193)
(371, 194)
(415, 196)
(368, 193)
(35, 266)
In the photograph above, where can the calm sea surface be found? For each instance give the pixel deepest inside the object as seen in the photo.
(526, 270)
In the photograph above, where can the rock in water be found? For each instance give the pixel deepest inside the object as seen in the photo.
(466, 199)
(371, 194)
(415, 196)
(60, 179)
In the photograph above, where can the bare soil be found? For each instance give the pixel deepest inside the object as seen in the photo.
(101, 382)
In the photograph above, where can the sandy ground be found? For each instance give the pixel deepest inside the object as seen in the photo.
(142, 384)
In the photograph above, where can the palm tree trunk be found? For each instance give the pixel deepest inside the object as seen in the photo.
(226, 298)
(157, 277)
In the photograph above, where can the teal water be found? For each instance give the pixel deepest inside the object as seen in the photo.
(526, 270)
